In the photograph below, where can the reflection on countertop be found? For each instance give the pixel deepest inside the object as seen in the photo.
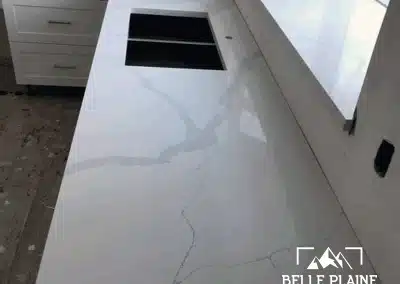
(335, 39)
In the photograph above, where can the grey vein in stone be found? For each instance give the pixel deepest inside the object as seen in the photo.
(267, 257)
(196, 139)
(187, 254)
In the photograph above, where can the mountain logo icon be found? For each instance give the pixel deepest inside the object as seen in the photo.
(327, 259)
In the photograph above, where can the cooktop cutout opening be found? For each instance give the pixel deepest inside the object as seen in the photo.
(172, 41)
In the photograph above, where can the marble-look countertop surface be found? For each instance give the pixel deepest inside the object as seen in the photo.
(335, 39)
(188, 176)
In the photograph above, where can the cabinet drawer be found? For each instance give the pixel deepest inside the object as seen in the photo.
(73, 4)
(54, 25)
(48, 64)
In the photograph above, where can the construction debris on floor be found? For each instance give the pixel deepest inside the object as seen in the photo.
(35, 137)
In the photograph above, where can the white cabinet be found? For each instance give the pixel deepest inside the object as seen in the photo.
(51, 64)
(53, 41)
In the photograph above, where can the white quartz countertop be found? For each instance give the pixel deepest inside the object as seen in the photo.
(335, 38)
(188, 176)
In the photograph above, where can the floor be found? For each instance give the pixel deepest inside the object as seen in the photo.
(335, 39)
(35, 136)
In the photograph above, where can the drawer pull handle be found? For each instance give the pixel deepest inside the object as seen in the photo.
(56, 66)
(59, 22)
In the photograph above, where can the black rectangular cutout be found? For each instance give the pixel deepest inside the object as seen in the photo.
(171, 28)
(173, 55)
(383, 158)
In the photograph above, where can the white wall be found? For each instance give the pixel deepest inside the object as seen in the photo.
(370, 202)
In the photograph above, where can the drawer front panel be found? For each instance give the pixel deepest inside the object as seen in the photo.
(53, 25)
(73, 4)
(52, 64)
